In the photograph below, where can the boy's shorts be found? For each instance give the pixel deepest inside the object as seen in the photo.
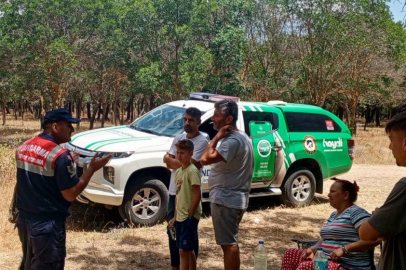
(186, 233)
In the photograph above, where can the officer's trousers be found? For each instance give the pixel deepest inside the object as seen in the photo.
(43, 244)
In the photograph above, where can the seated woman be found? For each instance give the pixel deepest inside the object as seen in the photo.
(339, 236)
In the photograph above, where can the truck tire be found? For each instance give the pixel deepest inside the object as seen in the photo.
(145, 202)
(299, 188)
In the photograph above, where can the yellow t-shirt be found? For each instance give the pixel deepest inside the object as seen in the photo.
(184, 179)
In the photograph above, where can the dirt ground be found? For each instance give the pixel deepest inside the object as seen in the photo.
(97, 240)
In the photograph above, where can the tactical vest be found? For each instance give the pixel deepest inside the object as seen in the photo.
(38, 156)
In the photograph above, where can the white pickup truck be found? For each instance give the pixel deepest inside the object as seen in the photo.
(288, 162)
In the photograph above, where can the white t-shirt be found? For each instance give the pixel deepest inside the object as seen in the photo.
(200, 143)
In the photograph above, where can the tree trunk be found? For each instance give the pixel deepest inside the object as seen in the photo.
(368, 117)
(41, 110)
(15, 109)
(3, 109)
(130, 107)
(104, 112)
(70, 107)
(151, 102)
(116, 112)
(29, 108)
(22, 110)
(78, 110)
(132, 112)
(89, 114)
(378, 117)
(93, 117)
(100, 111)
(122, 114)
(341, 112)
(140, 107)
(352, 111)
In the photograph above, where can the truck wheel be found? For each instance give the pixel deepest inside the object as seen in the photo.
(299, 188)
(145, 202)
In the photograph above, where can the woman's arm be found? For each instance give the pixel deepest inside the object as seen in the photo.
(312, 250)
(362, 245)
(359, 246)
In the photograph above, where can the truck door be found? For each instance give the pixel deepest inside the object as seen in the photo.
(264, 150)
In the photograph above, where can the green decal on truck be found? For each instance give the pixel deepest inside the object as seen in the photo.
(264, 148)
(262, 139)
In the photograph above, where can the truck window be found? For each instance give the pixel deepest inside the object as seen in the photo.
(260, 116)
(207, 127)
(310, 122)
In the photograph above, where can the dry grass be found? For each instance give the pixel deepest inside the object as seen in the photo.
(97, 240)
(17, 131)
(372, 147)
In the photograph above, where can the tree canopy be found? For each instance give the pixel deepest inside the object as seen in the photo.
(117, 56)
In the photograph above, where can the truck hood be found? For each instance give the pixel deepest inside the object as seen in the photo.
(119, 139)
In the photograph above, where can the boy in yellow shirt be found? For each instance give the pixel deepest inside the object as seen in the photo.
(188, 205)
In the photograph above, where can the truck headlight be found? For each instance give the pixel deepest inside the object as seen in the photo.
(108, 174)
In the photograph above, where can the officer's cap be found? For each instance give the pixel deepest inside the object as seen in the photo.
(58, 115)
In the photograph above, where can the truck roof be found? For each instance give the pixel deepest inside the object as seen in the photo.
(287, 107)
(252, 105)
(201, 105)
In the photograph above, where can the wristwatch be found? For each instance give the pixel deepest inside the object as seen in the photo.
(345, 250)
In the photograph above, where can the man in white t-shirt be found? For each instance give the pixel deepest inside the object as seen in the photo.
(191, 122)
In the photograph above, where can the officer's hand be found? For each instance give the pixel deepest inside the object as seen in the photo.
(98, 163)
(75, 156)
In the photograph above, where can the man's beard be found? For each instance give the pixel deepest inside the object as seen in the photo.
(188, 129)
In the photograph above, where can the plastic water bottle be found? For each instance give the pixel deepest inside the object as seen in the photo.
(260, 257)
(320, 260)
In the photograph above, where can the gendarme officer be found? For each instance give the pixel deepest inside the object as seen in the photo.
(46, 185)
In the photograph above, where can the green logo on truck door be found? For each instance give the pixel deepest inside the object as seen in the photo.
(264, 148)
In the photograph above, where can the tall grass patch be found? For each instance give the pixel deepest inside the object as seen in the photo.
(7, 183)
(372, 147)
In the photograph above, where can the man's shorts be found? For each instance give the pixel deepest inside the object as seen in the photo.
(226, 223)
(186, 233)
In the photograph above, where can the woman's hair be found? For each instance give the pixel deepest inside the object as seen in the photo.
(352, 188)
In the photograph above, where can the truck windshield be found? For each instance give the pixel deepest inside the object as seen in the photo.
(165, 120)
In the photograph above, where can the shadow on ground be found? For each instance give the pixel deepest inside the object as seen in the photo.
(95, 217)
(121, 259)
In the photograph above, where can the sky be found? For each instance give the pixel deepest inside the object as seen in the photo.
(396, 7)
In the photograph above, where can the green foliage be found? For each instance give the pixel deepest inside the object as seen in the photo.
(104, 51)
